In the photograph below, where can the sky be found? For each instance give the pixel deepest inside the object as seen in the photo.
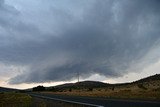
(48, 42)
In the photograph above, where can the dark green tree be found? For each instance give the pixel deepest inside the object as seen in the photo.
(39, 88)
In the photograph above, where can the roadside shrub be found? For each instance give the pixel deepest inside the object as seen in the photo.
(142, 86)
(70, 90)
(90, 89)
(113, 88)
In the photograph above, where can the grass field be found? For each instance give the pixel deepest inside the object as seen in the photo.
(12, 99)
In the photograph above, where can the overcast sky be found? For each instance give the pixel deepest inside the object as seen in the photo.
(49, 41)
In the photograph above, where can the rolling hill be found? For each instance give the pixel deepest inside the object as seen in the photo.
(146, 88)
(97, 84)
(83, 84)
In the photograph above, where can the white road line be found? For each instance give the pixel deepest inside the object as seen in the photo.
(74, 102)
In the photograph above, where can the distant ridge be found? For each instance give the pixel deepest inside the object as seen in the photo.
(4, 89)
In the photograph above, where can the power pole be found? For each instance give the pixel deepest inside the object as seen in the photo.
(78, 76)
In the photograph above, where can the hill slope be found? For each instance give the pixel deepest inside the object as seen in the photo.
(149, 79)
(83, 84)
(146, 88)
(97, 84)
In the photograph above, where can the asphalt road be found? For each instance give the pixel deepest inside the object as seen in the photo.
(98, 102)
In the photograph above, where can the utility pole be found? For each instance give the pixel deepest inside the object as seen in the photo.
(78, 76)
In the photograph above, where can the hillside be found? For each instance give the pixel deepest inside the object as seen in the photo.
(149, 79)
(146, 88)
(78, 85)
(83, 84)
(97, 84)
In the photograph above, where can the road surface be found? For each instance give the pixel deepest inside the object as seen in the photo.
(97, 102)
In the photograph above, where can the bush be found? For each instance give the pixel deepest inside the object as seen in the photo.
(141, 86)
(39, 88)
(70, 90)
(90, 89)
(113, 88)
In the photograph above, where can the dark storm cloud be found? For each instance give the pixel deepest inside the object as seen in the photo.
(111, 36)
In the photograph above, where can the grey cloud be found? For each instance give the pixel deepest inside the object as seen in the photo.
(110, 36)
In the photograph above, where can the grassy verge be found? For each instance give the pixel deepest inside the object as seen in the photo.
(12, 99)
